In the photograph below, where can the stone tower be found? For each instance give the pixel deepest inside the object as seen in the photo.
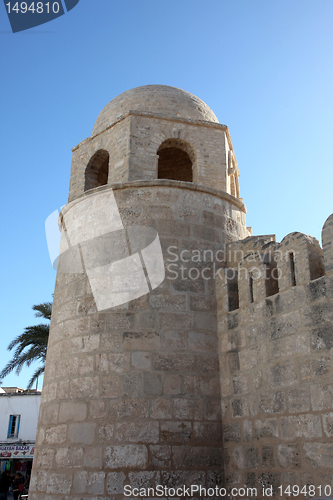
(131, 391)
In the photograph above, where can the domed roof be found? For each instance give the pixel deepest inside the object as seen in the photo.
(170, 101)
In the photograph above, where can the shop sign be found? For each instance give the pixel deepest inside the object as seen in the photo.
(17, 451)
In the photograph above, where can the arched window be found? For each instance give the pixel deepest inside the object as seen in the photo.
(97, 170)
(232, 185)
(233, 173)
(175, 160)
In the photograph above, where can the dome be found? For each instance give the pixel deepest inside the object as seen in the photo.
(170, 101)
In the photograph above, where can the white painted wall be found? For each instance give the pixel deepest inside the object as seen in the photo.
(26, 405)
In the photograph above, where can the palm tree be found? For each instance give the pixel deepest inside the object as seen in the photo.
(31, 345)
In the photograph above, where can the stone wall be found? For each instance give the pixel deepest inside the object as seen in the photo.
(132, 143)
(276, 366)
(209, 142)
(131, 394)
(115, 142)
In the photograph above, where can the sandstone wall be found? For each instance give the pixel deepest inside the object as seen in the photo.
(132, 143)
(115, 141)
(131, 394)
(276, 368)
(208, 141)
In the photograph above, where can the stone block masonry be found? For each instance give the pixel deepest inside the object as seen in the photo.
(277, 366)
(134, 390)
(190, 384)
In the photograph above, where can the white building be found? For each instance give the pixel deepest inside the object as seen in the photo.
(18, 426)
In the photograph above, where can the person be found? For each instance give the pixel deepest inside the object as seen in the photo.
(4, 485)
(17, 485)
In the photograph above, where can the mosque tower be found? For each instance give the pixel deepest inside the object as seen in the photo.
(131, 394)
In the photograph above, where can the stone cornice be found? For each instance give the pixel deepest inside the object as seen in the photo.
(160, 116)
(161, 183)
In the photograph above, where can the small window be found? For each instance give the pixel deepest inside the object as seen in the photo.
(292, 269)
(232, 286)
(271, 279)
(14, 426)
(251, 288)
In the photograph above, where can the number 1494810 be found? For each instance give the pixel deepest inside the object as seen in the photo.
(308, 490)
(38, 7)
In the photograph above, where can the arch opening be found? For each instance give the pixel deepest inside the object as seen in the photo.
(175, 161)
(233, 173)
(97, 170)
(232, 186)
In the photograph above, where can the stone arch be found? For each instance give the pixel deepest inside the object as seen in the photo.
(233, 173)
(97, 170)
(299, 260)
(176, 160)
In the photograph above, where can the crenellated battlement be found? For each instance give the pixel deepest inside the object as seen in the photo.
(275, 324)
(259, 267)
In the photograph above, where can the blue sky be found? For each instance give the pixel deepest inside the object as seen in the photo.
(265, 67)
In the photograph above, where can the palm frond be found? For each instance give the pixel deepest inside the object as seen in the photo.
(30, 346)
(35, 376)
(44, 310)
